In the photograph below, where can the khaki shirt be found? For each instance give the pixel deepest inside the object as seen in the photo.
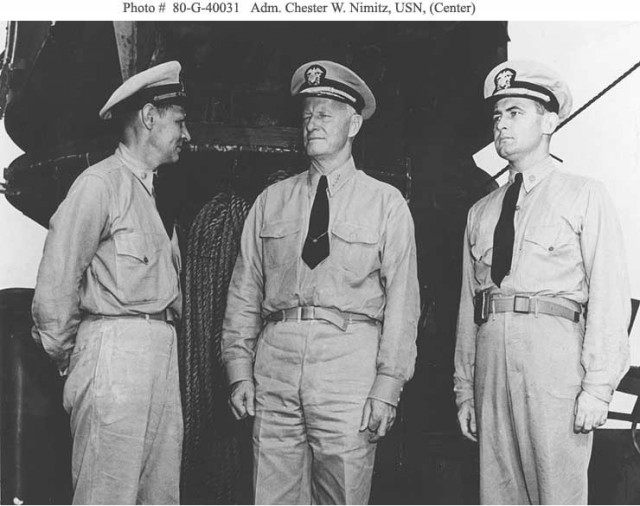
(568, 243)
(106, 253)
(371, 269)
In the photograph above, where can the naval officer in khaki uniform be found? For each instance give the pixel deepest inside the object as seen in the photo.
(542, 328)
(107, 293)
(320, 328)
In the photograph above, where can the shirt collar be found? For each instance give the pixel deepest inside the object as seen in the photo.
(336, 179)
(535, 174)
(141, 170)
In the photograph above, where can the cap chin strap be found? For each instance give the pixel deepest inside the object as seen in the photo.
(157, 93)
(529, 90)
(336, 90)
(138, 100)
(332, 96)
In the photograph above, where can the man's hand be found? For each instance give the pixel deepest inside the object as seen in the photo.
(378, 417)
(590, 413)
(467, 420)
(242, 399)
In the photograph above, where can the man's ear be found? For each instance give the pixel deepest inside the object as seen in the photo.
(148, 115)
(550, 122)
(355, 125)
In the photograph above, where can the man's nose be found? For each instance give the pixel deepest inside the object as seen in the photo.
(499, 123)
(185, 134)
(311, 123)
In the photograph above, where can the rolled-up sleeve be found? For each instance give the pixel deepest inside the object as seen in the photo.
(75, 232)
(605, 351)
(242, 321)
(465, 350)
(397, 351)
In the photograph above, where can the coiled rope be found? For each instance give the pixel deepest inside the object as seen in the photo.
(211, 447)
(216, 459)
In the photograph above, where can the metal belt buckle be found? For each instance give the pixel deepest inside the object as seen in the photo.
(307, 312)
(522, 304)
(481, 307)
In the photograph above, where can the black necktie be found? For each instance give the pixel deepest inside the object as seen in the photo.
(316, 247)
(504, 233)
(163, 204)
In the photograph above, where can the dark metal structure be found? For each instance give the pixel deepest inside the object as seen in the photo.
(34, 428)
(427, 78)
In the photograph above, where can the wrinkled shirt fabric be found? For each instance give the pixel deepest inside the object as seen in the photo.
(524, 371)
(371, 269)
(312, 378)
(106, 253)
(568, 243)
(107, 257)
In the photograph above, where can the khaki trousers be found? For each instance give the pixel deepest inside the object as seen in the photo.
(126, 419)
(312, 380)
(527, 378)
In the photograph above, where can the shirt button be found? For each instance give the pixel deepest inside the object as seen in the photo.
(143, 175)
(550, 248)
(517, 208)
(145, 260)
(532, 178)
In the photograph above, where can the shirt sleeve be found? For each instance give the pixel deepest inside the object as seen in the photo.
(399, 277)
(465, 350)
(242, 321)
(75, 231)
(605, 350)
(176, 305)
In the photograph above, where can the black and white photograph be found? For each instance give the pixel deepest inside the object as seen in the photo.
(319, 262)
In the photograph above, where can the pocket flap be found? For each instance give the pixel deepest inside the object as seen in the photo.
(352, 232)
(135, 245)
(281, 228)
(480, 250)
(543, 235)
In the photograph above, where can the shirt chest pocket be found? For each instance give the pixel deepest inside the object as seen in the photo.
(281, 242)
(551, 256)
(547, 240)
(140, 267)
(482, 250)
(355, 247)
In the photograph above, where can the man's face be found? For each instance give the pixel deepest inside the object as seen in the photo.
(170, 133)
(327, 126)
(518, 127)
